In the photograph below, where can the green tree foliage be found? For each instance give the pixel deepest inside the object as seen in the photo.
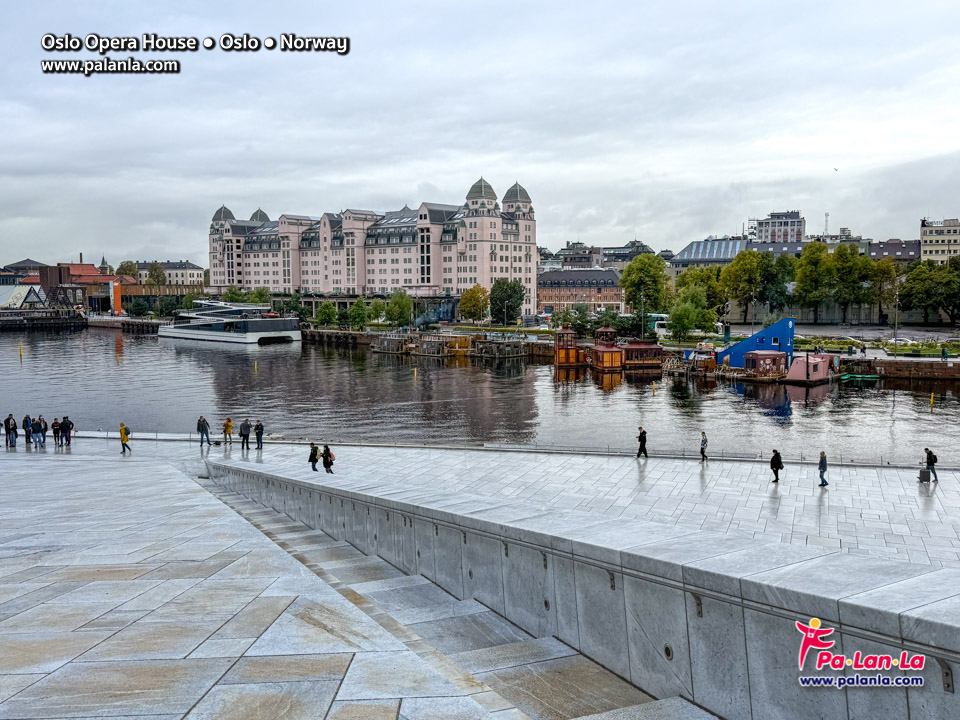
(295, 306)
(707, 278)
(580, 322)
(156, 275)
(206, 277)
(922, 289)
(167, 306)
(815, 277)
(377, 307)
(950, 288)
(562, 319)
(608, 318)
(358, 314)
(326, 313)
(775, 274)
(852, 273)
(128, 267)
(690, 312)
(742, 280)
(506, 296)
(400, 308)
(187, 301)
(259, 295)
(883, 282)
(343, 318)
(232, 294)
(646, 277)
(138, 308)
(474, 303)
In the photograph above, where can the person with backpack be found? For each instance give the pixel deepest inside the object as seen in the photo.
(931, 465)
(328, 458)
(258, 431)
(203, 428)
(822, 467)
(228, 432)
(124, 436)
(26, 428)
(776, 464)
(314, 456)
(642, 439)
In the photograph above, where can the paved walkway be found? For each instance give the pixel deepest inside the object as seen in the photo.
(129, 590)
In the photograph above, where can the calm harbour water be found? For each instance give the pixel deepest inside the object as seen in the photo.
(101, 377)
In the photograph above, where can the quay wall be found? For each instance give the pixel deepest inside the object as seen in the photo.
(676, 611)
(905, 369)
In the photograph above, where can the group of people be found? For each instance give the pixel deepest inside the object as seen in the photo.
(245, 429)
(35, 429)
(776, 461)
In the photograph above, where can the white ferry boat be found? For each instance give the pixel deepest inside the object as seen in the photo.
(238, 323)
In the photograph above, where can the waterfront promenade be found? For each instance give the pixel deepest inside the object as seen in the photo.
(131, 588)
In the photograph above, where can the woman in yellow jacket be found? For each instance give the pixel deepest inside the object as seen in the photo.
(124, 436)
(228, 432)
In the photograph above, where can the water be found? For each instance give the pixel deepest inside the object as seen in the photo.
(101, 377)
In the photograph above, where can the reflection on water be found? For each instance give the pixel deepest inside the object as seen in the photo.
(100, 377)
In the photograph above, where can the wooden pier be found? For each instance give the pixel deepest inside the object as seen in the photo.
(46, 320)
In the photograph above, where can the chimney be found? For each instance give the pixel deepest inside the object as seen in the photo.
(81, 258)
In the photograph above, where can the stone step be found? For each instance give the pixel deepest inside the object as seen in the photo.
(669, 709)
(508, 655)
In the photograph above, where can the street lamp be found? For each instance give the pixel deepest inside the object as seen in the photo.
(896, 315)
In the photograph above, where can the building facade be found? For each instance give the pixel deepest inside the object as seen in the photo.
(597, 288)
(779, 227)
(431, 250)
(939, 239)
(178, 272)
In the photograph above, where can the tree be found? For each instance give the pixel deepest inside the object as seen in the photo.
(690, 312)
(400, 308)
(167, 306)
(883, 281)
(562, 319)
(358, 314)
(815, 277)
(139, 308)
(709, 279)
(326, 313)
(581, 320)
(128, 267)
(343, 318)
(949, 280)
(206, 277)
(742, 280)
(506, 300)
(156, 274)
(260, 295)
(852, 271)
(644, 282)
(774, 278)
(608, 318)
(376, 309)
(475, 302)
(921, 290)
(232, 294)
(188, 300)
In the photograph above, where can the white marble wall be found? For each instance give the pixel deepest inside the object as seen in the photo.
(677, 611)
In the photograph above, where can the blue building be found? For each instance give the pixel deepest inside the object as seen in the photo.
(778, 336)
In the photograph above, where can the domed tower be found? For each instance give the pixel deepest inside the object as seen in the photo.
(223, 214)
(481, 196)
(517, 200)
(259, 216)
(222, 262)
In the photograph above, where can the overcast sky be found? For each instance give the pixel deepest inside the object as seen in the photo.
(665, 121)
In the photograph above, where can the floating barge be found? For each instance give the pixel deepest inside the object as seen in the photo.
(500, 348)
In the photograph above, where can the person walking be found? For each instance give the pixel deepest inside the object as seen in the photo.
(35, 432)
(931, 461)
(26, 429)
(703, 446)
(55, 426)
(776, 464)
(642, 439)
(66, 427)
(124, 436)
(314, 456)
(943, 354)
(822, 467)
(10, 428)
(43, 430)
(258, 431)
(245, 428)
(228, 432)
(203, 428)
(328, 458)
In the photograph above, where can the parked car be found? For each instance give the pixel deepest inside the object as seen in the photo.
(543, 327)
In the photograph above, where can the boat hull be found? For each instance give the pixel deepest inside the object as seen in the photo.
(236, 338)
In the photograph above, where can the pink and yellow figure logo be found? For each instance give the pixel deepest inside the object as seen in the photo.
(815, 637)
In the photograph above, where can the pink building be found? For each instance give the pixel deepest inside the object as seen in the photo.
(430, 250)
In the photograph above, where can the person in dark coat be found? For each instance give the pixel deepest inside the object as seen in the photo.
(41, 430)
(245, 428)
(642, 439)
(10, 428)
(776, 464)
(26, 428)
(258, 431)
(703, 445)
(822, 467)
(203, 428)
(931, 463)
(66, 427)
(314, 456)
(328, 458)
(56, 431)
